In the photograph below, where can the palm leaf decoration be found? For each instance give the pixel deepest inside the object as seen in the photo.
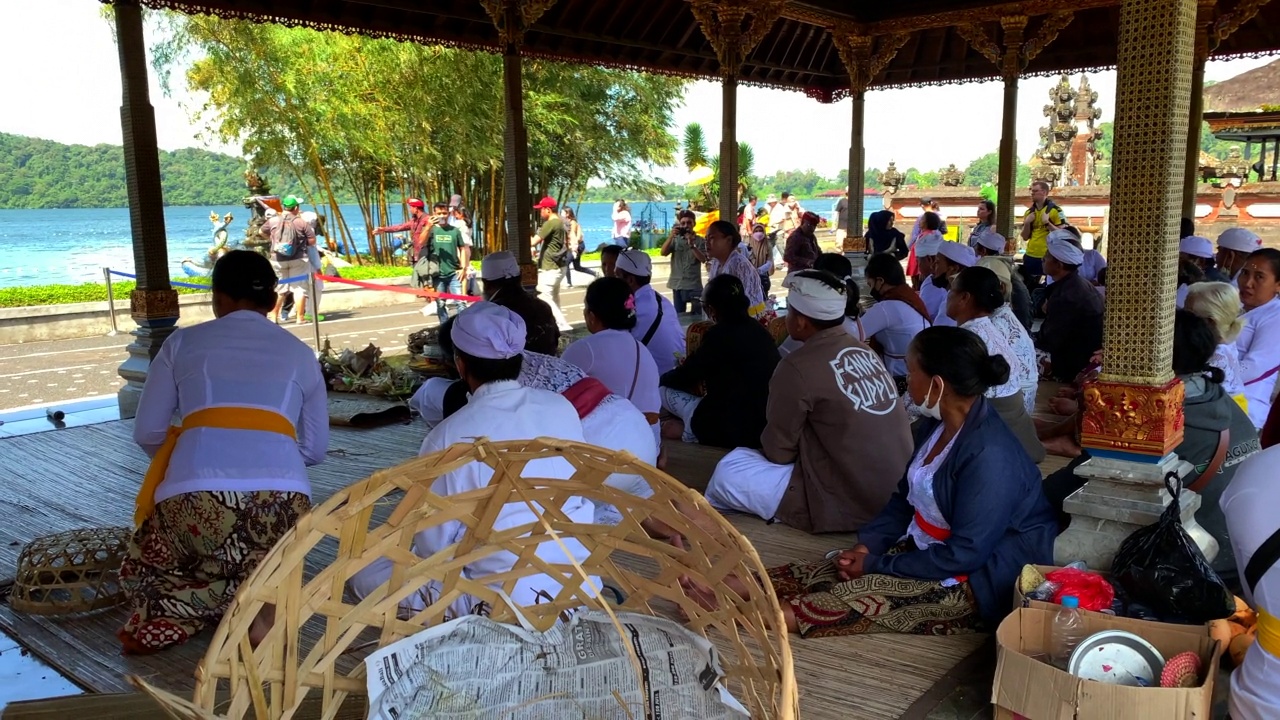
(694, 148)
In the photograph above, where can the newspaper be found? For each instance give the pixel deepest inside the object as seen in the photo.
(473, 667)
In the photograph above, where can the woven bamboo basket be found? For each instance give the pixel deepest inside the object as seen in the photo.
(321, 633)
(70, 572)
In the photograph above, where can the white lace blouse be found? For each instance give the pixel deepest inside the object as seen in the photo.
(997, 345)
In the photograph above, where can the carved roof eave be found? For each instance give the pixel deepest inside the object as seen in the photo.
(824, 93)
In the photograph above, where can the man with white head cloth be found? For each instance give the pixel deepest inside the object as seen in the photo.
(1072, 327)
(657, 323)
(1234, 246)
(933, 290)
(950, 259)
(488, 344)
(837, 438)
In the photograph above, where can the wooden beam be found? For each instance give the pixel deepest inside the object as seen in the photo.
(949, 18)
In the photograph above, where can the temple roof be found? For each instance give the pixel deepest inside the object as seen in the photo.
(797, 53)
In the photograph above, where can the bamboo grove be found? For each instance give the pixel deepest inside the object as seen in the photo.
(380, 120)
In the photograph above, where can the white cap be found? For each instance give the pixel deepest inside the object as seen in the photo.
(813, 298)
(488, 330)
(928, 245)
(1065, 250)
(636, 262)
(270, 212)
(499, 265)
(999, 266)
(959, 254)
(309, 216)
(1239, 239)
(991, 240)
(1196, 246)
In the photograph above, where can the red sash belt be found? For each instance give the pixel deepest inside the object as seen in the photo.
(586, 395)
(937, 533)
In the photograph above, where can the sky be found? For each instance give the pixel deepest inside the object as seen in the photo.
(65, 86)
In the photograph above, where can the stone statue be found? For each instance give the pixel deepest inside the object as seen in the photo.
(951, 177)
(1234, 166)
(255, 183)
(891, 179)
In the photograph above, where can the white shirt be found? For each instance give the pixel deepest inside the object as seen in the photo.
(525, 413)
(1180, 299)
(667, 343)
(920, 490)
(620, 362)
(778, 216)
(239, 360)
(621, 223)
(894, 325)
(997, 345)
(1092, 265)
(1227, 359)
(1249, 504)
(1026, 374)
(1259, 348)
(935, 299)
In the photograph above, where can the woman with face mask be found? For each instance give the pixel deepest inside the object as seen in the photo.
(942, 556)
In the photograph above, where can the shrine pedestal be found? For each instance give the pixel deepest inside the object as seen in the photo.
(1119, 498)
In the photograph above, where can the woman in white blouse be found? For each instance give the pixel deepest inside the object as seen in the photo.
(1259, 341)
(1219, 303)
(974, 295)
(228, 481)
(1013, 330)
(611, 354)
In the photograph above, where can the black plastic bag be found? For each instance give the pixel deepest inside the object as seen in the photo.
(1161, 567)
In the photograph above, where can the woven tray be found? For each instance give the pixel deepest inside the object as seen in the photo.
(70, 572)
(311, 651)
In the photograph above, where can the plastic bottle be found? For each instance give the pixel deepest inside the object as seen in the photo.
(1068, 630)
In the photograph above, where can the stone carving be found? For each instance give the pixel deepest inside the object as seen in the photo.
(1234, 167)
(153, 304)
(891, 179)
(1068, 151)
(952, 177)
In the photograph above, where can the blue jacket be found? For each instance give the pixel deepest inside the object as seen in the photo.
(990, 493)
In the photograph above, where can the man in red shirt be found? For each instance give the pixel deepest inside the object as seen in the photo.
(419, 227)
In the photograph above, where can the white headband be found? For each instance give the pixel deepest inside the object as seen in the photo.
(813, 298)
(488, 330)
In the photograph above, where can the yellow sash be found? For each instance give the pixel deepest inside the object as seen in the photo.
(1242, 401)
(228, 418)
(1269, 633)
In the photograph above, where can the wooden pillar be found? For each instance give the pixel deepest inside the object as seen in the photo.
(729, 149)
(857, 168)
(1007, 182)
(1195, 118)
(154, 304)
(512, 18)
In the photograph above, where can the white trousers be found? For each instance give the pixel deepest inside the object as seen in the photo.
(745, 481)
(549, 282)
(682, 405)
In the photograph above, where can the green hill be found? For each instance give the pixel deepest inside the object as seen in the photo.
(36, 173)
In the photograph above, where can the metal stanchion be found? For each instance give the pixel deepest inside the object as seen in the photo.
(111, 303)
(315, 310)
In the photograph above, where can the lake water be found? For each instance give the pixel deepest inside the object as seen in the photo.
(72, 246)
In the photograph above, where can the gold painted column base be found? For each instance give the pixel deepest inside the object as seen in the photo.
(153, 304)
(1140, 423)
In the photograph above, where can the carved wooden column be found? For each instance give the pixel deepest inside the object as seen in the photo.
(154, 304)
(1011, 57)
(512, 18)
(1133, 414)
(864, 63)
(734, 28)
(1191, 173)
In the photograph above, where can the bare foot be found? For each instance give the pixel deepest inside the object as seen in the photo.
(1063, 406)
(1063, 445)
(662, 459)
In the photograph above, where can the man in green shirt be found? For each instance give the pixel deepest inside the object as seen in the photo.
(452, 256)
(689, 254)
(550, 244)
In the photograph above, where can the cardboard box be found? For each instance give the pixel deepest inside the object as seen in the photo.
(1021, 601)
(1028, 687)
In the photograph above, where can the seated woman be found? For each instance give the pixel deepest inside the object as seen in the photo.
(897, 316)
(943, 555)
(1219, 304)
(975, 294)
(231, 479)
(734, 362)
(1208, 411)
(1006, 321)
(726, 258)
(611, 354)
(1259, 341)
(839, 266)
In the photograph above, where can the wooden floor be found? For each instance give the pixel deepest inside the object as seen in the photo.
(87, 477)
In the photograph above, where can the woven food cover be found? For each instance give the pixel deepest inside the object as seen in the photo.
(71, 572)
(312, 657)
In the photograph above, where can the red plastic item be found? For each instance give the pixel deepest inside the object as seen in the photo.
(1092, 590)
